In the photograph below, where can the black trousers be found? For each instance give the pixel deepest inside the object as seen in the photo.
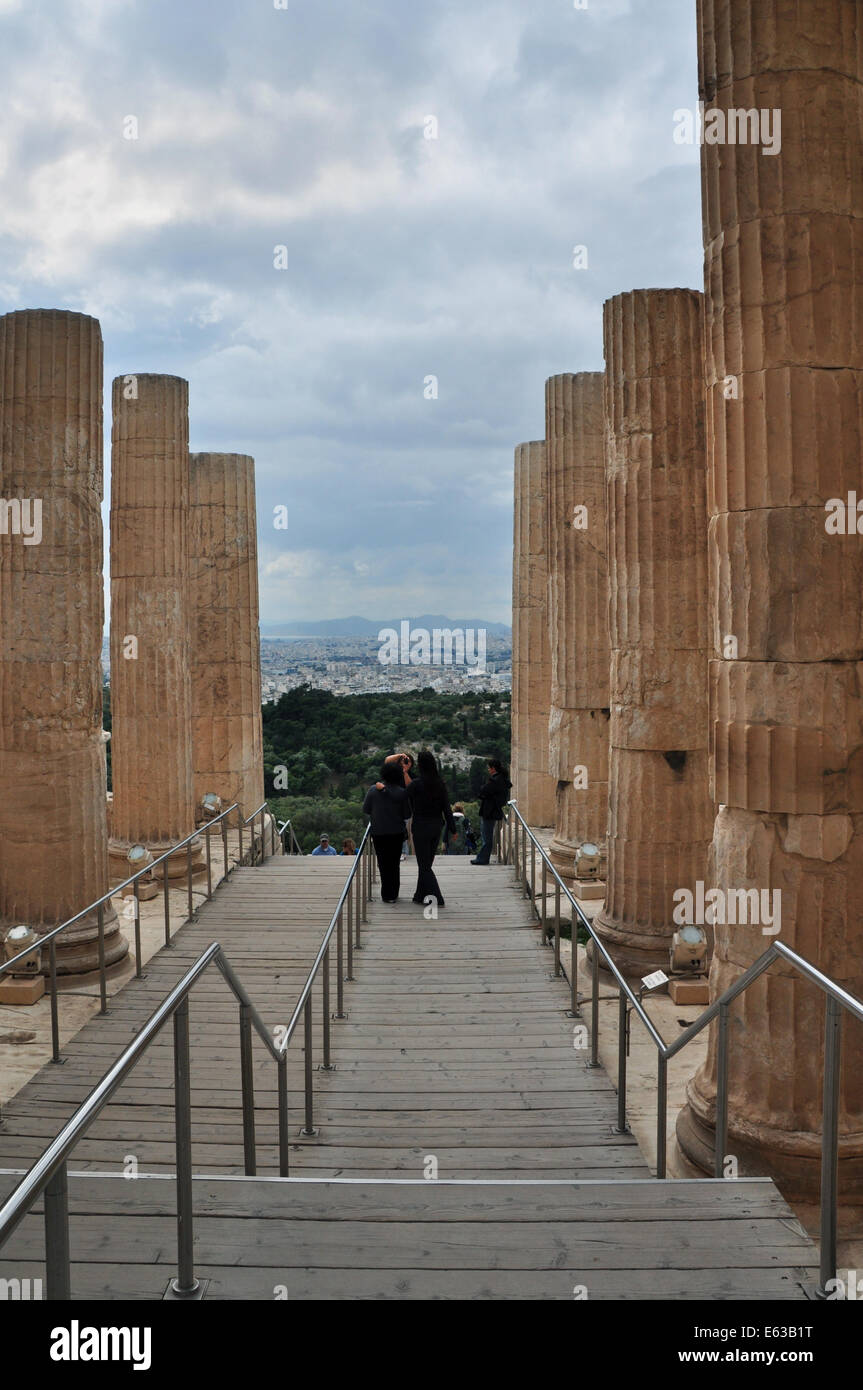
(388, 849)
(426, 834)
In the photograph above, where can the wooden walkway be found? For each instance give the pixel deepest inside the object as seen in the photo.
(464, 1148)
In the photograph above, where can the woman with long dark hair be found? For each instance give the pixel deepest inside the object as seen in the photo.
(386, 806)
(493, 796)
(429, 801)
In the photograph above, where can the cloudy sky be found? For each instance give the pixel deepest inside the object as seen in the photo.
(407, 257)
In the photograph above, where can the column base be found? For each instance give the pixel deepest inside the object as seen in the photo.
(77, 948)
(633, 952)
(791, 1157)
(177, 865)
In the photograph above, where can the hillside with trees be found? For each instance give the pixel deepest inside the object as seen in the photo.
(329, 749)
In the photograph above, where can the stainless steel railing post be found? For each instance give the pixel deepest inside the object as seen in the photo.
(661, 1111)
(225, 846)
(247, 1079)
(103, 982)
(57, 1274)
(240, 832)
(209, 863)
(185, 1285)
(284, 1133)
(340, 962)
(55, 1017)
(622, 1127)
(594, 1014)
(533, 873)
(721, 1142)
(136, 896)
(830, 1142)
(353, 916)
(167, 904)
(325, 1006)
(189, 880)
(309, 1127)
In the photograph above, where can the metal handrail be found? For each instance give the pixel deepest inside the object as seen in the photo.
(297, 847)
(837, 1000)
(50, 938)
(49, 1174)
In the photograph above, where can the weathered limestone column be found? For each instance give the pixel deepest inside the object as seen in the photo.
(227, 738)
(151, 706)
(53, 832)
(578, 595)
(783, 236)
(533, 784)
(660, 812)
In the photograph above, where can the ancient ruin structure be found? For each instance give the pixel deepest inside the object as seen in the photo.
(783, 236)
(227, 739)
(660, 813)
(151, 705)
(54, 858)
(578, 592)
(533, 784)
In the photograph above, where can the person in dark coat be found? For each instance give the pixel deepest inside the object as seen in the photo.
(493, 796)
(386, 806)
(431, 810)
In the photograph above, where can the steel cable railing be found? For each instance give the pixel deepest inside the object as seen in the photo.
(515, 837)
(49, 1174)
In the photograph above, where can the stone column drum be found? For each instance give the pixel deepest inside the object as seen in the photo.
(151, 706)
(53, 831)
(533, 784)
(227, 738)
(783, 236)
(578, 597)
(660, 812)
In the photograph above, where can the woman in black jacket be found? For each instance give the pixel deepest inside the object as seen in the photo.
(493, 796)
(429, 801)
(386, 806)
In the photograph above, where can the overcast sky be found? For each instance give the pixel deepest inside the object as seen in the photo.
(408, 257)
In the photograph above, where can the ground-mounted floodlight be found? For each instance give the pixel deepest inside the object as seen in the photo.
(25, 984)
(588, 860)
(689, 950)
(211, 805)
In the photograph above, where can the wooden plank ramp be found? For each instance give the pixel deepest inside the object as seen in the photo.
(464, 1149)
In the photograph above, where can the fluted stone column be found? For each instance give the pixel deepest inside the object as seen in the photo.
(660, 812)
(53, 833)
(533, 784)
(783, 237)
(151, 706)
(227, 738)
(578, 593)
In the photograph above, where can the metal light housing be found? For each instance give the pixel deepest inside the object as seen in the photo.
(18, 939)
(588, 859)
(689, 950)
(211, 805)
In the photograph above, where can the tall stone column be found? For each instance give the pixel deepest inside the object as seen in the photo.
(533, 784)
(660, 812)
(227, 738)
(53, 833)
(783, 235)
(578, 597)
(151, 705)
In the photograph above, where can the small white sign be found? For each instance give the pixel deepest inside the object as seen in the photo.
(653, 981)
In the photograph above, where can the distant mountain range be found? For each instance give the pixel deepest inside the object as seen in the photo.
(366, 627)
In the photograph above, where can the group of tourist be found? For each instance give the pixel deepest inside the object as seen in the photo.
(412, 799)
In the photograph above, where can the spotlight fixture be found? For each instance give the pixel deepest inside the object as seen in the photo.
(211, 805)
(587, 861)
(18, 939)
(689, 950)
